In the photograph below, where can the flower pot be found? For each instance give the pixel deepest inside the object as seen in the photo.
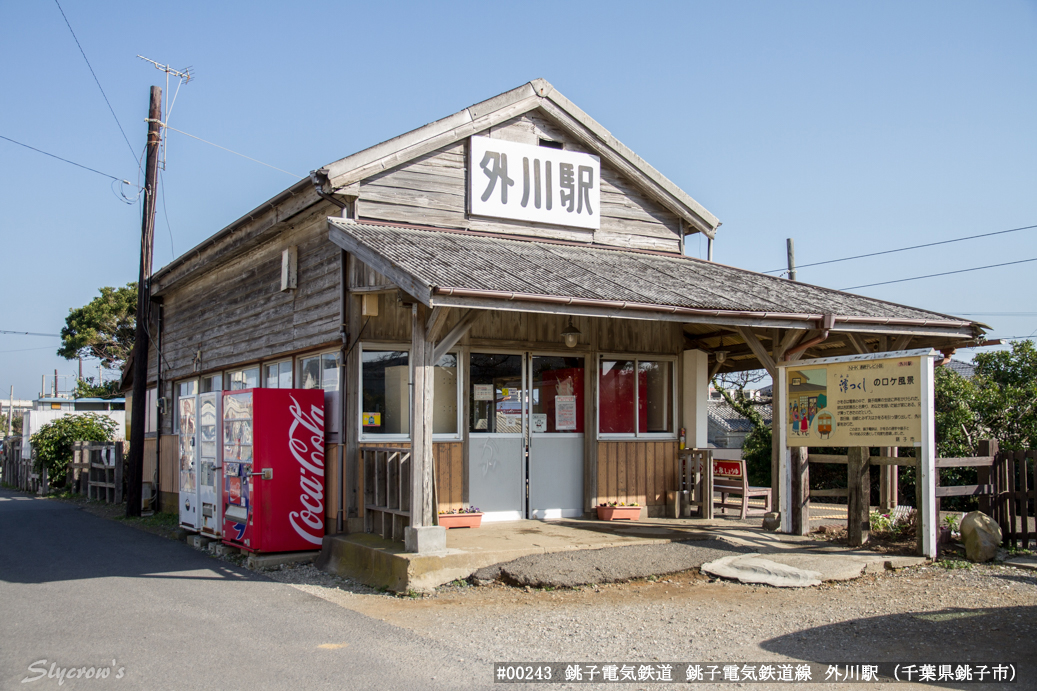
(619, 513)
(460, 520)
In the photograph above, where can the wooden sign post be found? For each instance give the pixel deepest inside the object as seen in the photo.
(857, 401)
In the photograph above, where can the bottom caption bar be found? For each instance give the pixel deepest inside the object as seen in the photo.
(769, 672)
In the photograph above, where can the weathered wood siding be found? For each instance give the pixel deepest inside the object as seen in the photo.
(432, 190)
(636, 471)
(237, 313)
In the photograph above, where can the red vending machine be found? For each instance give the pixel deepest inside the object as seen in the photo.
(273, 469)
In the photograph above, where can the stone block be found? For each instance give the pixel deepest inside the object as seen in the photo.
(426, 539)
(199, 541)
(981, 535)
(772, 521)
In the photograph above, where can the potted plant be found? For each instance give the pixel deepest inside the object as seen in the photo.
(465, 517)
(618, 511)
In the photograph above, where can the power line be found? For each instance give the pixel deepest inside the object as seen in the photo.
(904, 249)
(28, 333)
(98, 81)
(945, 273)
(79, 165)
(300, 177)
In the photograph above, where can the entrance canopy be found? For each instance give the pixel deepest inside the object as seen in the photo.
(477, 270)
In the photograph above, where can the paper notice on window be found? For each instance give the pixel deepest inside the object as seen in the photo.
(565, 413)
(539, 423)
(482, 392)
(372, 419)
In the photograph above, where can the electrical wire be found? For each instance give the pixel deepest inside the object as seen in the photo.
(23, 350)
(78, 165)
(945, 273)
(29, 333)
(98, 81)
(904, 249)
(162, 189)
(300, 177)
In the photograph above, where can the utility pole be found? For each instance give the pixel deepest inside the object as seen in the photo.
(10, 414)
(792, 258)
(138, 410)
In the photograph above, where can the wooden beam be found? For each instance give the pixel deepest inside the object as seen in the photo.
(789, 340)
(857, 343)
(902, 342)
(454, 335)
(436, 321)
(759, 351)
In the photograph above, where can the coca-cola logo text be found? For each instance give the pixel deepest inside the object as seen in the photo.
(308, 523)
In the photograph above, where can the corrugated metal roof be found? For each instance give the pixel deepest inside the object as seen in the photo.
(439, 260)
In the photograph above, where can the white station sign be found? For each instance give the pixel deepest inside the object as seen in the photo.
(534, 183)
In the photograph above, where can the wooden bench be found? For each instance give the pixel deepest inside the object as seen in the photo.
(729, 477)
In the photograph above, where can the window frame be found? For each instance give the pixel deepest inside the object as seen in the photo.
(637, 360)
(383, 346)
(263, 377)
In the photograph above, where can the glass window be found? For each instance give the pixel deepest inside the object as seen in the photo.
(635, 405)
(385, 392)
(556, 395)
(242, 379)
(329, 371)
(187, 388)
(655, 396)
(309, 372)
(213, 382)
(617, 394)
(496, 393)
(444, 396)
(278, 375)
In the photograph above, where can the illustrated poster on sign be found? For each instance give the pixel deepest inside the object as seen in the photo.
(482, 392)
(856, 403)
(565, 412)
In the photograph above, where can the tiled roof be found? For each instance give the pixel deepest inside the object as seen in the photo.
(436, 261)
(722, 415)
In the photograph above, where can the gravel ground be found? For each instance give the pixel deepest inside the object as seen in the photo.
(982, 614)
(947, 612)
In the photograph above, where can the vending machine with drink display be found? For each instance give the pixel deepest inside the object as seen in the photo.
(273, 469)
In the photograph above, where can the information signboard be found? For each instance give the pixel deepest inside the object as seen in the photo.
(855, 403)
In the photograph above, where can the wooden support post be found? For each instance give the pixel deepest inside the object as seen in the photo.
(888, 478)
(858, 484)
(706, 495)
(799, 504)
(919, 524)
(354, 467)
(421, 421)
(987, 447)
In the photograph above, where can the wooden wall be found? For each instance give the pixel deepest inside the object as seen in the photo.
(636, 471)
(432, 190)
(237, 313)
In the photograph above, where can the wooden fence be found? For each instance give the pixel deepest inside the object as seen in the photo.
(1005, 488)
(386, 490)
(96, 470)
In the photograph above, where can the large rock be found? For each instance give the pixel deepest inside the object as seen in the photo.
(981, 536)
(772, 521)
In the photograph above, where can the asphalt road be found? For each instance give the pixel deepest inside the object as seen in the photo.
(80, 591)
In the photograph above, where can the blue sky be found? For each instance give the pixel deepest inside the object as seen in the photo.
(852, 127)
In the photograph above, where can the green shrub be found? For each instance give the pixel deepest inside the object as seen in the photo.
(52, 444)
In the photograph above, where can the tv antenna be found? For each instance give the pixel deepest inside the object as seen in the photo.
(185, 75)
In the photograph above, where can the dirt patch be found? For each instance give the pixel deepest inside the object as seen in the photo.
(897, 544)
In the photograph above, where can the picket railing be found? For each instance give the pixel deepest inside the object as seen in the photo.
(386, 490)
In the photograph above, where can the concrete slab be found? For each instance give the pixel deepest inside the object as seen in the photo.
(269, 561)
(754, 568)
(382, 563)
(797, 569)
(1022, 562)
(222, 550)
